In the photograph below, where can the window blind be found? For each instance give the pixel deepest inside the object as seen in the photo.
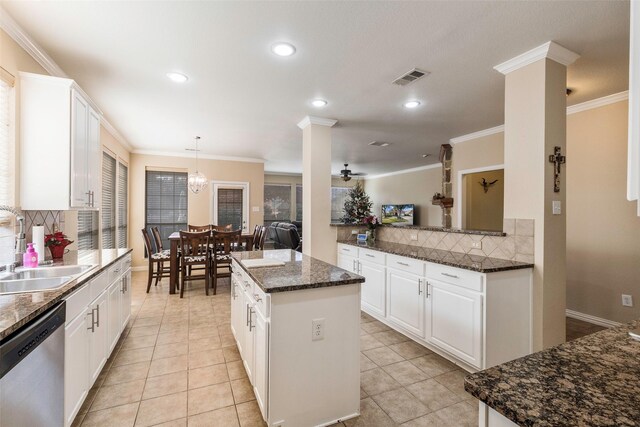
(6, 150)
(230, 203)
(123, 190)
(87, 230)
(166, 202)
(298, 202)
(108, 201)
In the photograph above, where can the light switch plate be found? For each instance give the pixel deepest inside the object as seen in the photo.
(627, 300)
(556, 207)
(255, 209)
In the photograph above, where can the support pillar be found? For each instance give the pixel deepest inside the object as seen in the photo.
(535, 123)
(318, 240)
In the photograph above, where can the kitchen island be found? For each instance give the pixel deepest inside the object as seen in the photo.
(591, 381)
(297, 327)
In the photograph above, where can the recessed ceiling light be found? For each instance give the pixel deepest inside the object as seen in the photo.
(411, 104)
(283, 49)
(318, 103)
(177, 77)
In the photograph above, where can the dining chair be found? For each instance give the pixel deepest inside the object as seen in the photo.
(157, 240)
(194, 251)
(254, 238)
(258, 244)
(225, 242)
(228, 227)
(155, 259)
(198, 228)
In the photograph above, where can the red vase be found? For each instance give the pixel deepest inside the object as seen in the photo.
(57, 251)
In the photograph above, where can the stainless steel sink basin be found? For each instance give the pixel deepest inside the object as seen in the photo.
(47, 272)
(32, 285)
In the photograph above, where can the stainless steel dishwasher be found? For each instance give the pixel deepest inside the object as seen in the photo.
(32, 373)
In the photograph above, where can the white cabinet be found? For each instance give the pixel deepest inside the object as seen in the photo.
(115, 312)
(454, 320)
(249, 343)
(98, 345)
(347, 262)
(237, 301)
(261, 360)
(373, 291)
(59, 125)
(76, 361)
(405, 300)
(125, 311)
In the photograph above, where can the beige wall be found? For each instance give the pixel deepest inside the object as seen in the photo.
(200, 205)
(603, 231)
(412, 187)
(482, 210)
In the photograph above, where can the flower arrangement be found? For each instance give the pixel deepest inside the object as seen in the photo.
(371, 222)
(56, 243)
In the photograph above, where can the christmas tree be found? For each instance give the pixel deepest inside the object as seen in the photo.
(357, 206)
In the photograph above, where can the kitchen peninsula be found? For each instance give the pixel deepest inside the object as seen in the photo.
(296, 321)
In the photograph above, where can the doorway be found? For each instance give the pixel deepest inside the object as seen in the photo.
(481, 196)
(230, 204)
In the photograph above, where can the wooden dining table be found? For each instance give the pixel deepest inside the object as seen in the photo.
(246, 240)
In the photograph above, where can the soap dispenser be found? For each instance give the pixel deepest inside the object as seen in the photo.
(30, 258)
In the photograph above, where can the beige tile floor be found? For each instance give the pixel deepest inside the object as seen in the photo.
(177, 364)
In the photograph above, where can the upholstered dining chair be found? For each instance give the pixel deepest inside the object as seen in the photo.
(157, 240)
(224, 242)
(194, 251)
(156, 259)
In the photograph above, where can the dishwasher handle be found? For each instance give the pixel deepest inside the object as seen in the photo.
(18, 346)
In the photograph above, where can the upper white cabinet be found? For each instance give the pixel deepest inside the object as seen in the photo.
(59, 145)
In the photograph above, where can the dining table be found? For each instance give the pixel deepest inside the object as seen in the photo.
(246, 241)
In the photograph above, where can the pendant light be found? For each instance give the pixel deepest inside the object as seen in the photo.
(197, 181)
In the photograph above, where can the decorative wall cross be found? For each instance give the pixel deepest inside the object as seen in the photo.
(557, 159)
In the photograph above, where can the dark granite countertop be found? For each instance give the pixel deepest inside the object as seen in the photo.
(17, 310)
(591, 381)
(299, 271)
(478, 263)
(429, 228)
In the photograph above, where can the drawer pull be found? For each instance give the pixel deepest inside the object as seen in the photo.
(450, 275)
(369, 255)
(403, 263)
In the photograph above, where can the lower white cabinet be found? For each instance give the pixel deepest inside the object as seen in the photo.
(478, 319)
(260, 330)
(92, 330)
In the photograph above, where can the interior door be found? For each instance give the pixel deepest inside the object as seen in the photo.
(406, 301)
(373, 293)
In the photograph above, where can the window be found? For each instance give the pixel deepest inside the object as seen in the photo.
(166, 203)
(123, 194)
(230, 203)
(338, 197)
(87, 230)
(298, 202)
(108, 201)
(6, 147)
(277, 203)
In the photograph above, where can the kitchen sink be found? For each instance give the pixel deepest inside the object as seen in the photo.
(46, 272)
(32, 285)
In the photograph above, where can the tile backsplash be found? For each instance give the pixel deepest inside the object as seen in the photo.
(50, 219)
(517, 245)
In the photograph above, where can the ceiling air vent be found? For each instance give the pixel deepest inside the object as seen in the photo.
(379, 144)
(410, 77)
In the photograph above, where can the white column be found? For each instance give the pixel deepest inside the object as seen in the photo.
(317, 238)
(535, 122)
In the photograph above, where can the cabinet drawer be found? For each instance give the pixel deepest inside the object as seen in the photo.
(261, 300)
(115, 271)
(347, 250)
(372, 256)
(406, 264)
(126, 263)
(77, 302)
(456, 276)
(99, 284)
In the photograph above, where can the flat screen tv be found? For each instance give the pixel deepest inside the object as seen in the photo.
(397, 214)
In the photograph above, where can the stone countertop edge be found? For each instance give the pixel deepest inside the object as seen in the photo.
(288, 272)
(428, 228)
(477, 263)
(50, 297)
(590, 381)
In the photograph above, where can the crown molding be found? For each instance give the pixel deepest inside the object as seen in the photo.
(478, 134)
(551, 50)
(403, 171)
(200, 156)
(598, 102)
(283, 173)
(312, 120)
(114, 132)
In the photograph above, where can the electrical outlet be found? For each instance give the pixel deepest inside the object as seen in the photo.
(476, 244)
(317, 329)
(414, 237)
(627, 300)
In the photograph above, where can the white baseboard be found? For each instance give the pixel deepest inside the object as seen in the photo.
(592, 319)
(140, 268)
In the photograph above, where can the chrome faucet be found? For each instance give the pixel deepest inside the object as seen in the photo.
(21, 246)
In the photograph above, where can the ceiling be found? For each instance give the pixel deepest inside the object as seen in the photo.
(244, 101)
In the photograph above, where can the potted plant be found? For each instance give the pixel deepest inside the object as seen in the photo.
(56, 243)
(372, 222)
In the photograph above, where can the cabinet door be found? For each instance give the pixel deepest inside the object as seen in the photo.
(454, 321)
(261, 365)
(98, 346)
(94, 159)
(373, 289)
(113, 319)
(125, 313)
(347, 262)
(405, 300)
(79, 138)
(237, 327)
(76, 366)
(248, 346)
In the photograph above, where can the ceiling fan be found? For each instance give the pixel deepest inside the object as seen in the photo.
(346, 173)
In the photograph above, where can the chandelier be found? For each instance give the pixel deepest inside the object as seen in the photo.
(197, 181)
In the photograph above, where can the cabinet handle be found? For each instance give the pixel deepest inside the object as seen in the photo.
(419, 286)
(403, 263)
(450, 275)
(122, 287)
(354, 266)
(369, 255)
(251, 325)
(98, 315)
(428, 295)
(92, 328)
(247, 314)
(359, 267)
(257, 298)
